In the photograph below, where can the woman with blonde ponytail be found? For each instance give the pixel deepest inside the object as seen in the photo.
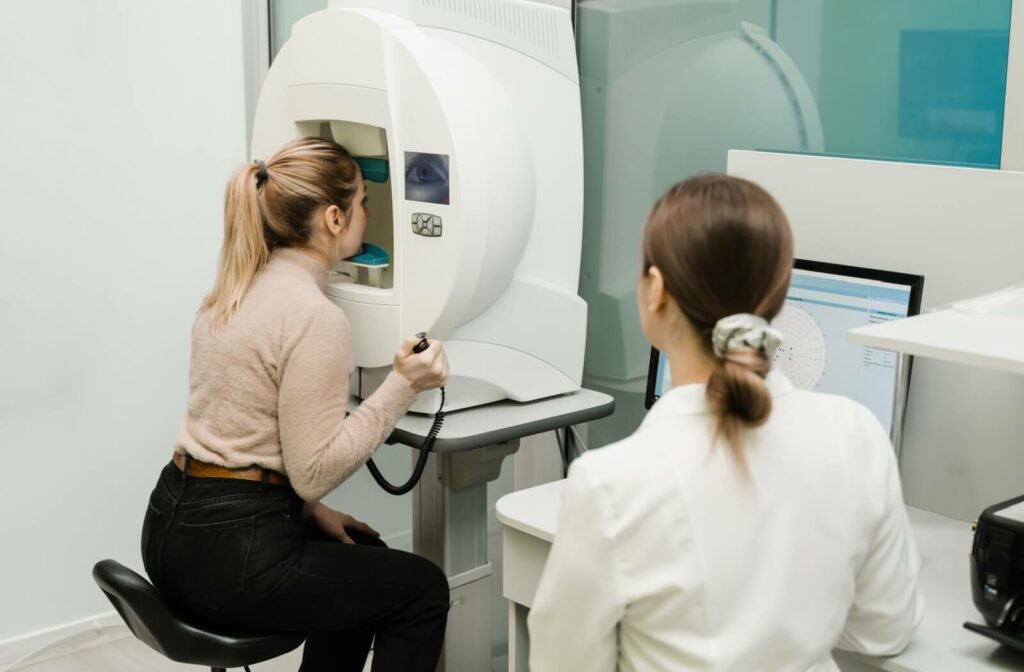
(244, 252)
(746, 526)
(235, 535)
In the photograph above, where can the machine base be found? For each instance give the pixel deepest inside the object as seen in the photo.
(467, 641)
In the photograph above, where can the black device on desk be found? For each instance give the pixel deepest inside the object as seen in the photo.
(997, 573)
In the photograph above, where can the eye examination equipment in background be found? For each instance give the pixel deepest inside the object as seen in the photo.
(465, 120)
(700, 71)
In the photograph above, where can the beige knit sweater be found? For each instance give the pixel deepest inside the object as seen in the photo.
(271, 388)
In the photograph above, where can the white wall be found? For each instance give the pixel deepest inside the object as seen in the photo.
(121, 121)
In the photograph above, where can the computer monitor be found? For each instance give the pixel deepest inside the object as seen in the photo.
(824, 302)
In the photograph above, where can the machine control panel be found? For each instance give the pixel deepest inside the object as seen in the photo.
(425, 224)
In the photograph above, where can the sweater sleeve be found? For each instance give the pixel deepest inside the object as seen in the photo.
(321, 447)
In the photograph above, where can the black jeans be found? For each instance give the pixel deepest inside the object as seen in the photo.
(237, 555)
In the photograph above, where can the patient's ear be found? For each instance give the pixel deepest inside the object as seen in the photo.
(334, 220)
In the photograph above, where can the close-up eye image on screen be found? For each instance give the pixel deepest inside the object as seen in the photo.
(426, 177)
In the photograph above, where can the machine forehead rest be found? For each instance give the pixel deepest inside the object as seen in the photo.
(374, 170)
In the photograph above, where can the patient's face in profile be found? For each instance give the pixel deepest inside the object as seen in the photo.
(349, 238)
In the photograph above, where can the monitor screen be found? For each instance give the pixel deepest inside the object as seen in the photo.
(824, 302)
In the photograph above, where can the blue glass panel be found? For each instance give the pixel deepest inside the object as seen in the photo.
(952, 91)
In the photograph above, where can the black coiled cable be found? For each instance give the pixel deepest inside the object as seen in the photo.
(421, 461)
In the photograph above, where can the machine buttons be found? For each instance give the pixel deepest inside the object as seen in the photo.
(425, 224)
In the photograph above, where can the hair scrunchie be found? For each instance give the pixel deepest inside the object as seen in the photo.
(261, 175)
(743, 330)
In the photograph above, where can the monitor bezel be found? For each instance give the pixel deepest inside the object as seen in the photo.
(652, 379)
(914, 281)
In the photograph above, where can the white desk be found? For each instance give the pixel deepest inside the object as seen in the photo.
(530, 519)
(988, 341)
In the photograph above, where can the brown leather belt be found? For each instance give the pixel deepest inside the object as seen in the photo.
(199, 469)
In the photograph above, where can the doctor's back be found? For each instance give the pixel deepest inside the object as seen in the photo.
(746, 525)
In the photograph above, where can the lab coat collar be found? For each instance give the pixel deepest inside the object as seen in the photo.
(692, 399)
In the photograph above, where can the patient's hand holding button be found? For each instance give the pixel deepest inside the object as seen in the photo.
(422, 345)
(424, 368)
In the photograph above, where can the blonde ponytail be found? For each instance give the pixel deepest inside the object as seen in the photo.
(244, 252)
(271, 205)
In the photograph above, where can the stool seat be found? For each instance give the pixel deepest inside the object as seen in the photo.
(152, 621)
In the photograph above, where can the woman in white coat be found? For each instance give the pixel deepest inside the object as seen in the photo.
(746, 525)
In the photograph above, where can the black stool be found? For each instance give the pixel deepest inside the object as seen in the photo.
(153, 622)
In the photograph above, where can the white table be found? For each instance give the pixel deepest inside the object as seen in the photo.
(530, 520)
(988, 341)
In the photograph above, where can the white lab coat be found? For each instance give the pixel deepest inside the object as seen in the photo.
(667, 558)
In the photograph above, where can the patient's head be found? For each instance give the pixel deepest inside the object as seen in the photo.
(717, 246)
(309, 194)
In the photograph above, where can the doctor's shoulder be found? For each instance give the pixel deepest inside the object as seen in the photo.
(851, 424)
(620, 463)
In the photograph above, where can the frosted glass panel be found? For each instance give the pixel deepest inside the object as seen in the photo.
(669, 86)
(283, 14)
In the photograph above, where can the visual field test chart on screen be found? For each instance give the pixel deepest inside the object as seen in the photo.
(824, 303)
